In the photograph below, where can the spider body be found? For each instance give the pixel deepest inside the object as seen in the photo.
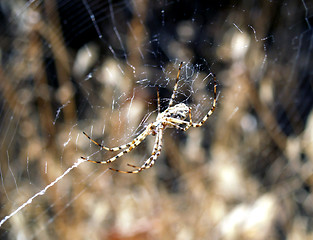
(179, 111)
(173, 117)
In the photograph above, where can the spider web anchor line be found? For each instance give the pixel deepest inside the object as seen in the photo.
(42, 192)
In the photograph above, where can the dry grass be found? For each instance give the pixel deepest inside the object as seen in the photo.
(246, 174)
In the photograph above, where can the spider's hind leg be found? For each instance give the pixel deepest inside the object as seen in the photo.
(132, 145)
(151, 160)
(114, 149)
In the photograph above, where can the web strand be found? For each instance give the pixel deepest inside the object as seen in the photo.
(40, 193)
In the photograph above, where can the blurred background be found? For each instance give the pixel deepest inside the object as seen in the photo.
(68, 66)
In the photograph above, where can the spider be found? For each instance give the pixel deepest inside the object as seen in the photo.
(173, 117)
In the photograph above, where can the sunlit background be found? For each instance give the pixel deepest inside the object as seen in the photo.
(70, 66)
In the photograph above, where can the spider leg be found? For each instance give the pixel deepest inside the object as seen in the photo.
(190, 122)
(158, 96)
(157, 154)
(211, 110)
(133, 166)
(113, 149)
(151, 160)
(175, 86)
(176, 122)
(133, 145)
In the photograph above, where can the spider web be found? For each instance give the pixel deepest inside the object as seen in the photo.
(94, 66)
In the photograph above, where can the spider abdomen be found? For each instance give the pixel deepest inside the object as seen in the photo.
(179, 111)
